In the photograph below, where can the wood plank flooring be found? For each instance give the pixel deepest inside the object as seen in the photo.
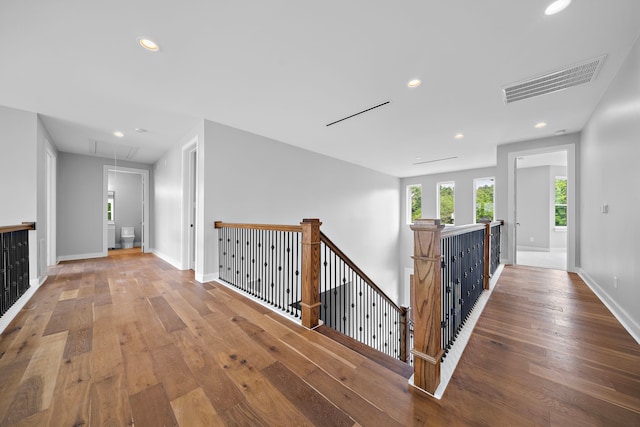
(128, 340)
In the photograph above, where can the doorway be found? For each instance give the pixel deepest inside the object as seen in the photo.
(190, 208)
(126, 203)
(541, 210)
(50, 172)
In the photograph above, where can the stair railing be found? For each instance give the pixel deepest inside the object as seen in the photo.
(14, 263)
(452, 267)
(297, 269)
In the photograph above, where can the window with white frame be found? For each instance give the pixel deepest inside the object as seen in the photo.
(414, 202)
(561, 201)
(446, 202)
(483, 197)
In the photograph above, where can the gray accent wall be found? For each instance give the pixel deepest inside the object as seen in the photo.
(610, 175)
(79, 204)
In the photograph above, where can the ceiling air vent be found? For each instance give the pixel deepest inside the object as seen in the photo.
(554, 81)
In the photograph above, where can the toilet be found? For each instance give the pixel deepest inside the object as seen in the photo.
(127, 235)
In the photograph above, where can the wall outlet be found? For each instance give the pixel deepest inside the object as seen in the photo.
(531, 239)
(604, 208)
(615, 282)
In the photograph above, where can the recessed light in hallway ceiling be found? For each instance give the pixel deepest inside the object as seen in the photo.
(557, 7)
(118, 134)
(148, 44)
(414, 83)
(540, 125)
(459, 136)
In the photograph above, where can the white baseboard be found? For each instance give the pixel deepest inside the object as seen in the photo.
(177, 264)
(618, 312)
(13, 311)
(204, 278)
(82, 256)
(532, 249)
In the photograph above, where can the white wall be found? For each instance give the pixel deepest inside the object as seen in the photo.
(532, 187)
(253, 179)
(79, 207)
(167, 194)
(536, 208)
(464, 208)
(609, 174)
(127, 188)
(19, 175)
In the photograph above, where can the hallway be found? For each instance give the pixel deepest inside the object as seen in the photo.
(132, 340)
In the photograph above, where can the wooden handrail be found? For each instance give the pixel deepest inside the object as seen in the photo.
(23, 226)
(275, 227)
(358, 271)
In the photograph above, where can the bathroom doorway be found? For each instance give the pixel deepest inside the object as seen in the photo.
(126, 196)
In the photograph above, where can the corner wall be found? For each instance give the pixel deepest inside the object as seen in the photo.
(252, 179)
(609, 175)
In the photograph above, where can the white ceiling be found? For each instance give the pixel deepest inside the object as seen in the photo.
(284, 69)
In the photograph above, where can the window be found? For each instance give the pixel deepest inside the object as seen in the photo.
(111, 208)
(414, 202)
(483, 196)
(561, 201)
(446, 202)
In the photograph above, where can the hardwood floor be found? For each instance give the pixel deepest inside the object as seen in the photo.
(130, 340)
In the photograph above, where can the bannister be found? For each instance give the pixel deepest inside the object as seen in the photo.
(14, 263)
(452, 267)
(354, 305)
(299, 270)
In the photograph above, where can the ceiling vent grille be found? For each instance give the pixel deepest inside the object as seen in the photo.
(558, 80)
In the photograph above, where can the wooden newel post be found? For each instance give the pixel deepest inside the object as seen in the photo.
(310, 272)
(487, 251)
(426, 305)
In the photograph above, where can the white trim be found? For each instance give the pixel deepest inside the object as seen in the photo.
(13, 311)
(618, 312)
(510, 250)
(448, 367)
(532, 249)
(187, 151)
(82, 256)
(166, 258)
(146, 203)
(272, 309)
(204, 278)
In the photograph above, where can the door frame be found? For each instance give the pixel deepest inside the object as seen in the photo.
(144, 240)
(571, 199)
(190, 204)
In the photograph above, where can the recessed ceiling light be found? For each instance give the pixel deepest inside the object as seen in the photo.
(414, 83)
(148, 44)
(141, 130)
(561, 131)
(540, 125)
(118, 134)
(557, 7)
(459, 136)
